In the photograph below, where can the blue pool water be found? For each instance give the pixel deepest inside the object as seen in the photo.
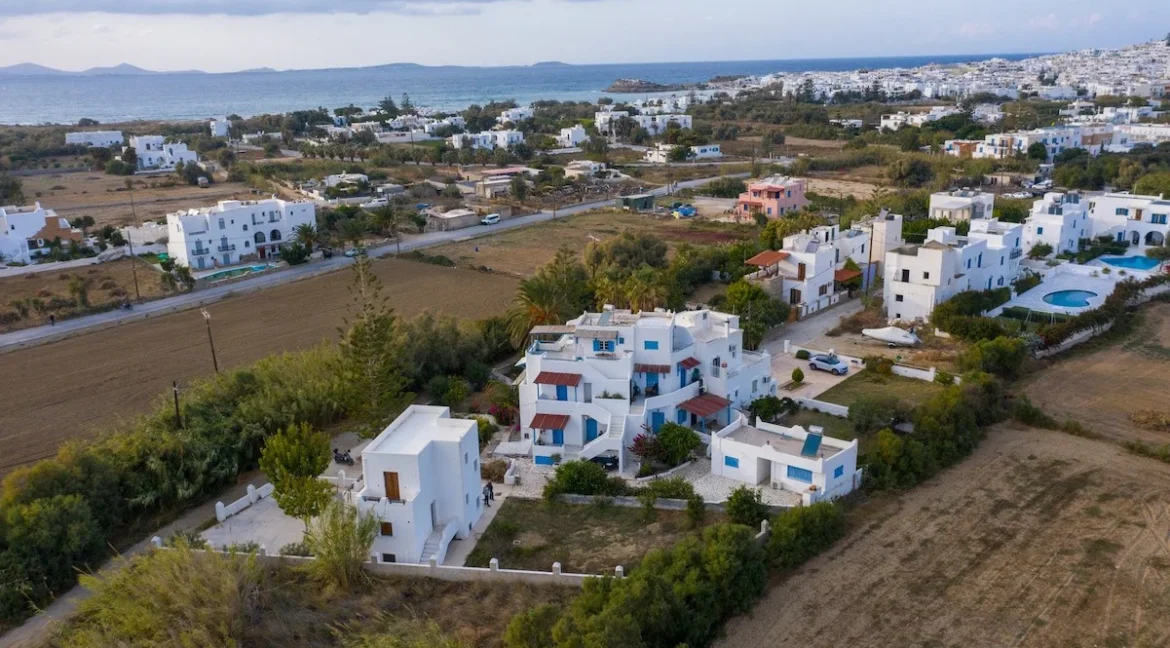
(1132, 262)
(1070, 298)
(235, 272)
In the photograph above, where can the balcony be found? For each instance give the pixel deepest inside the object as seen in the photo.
(226, 248)
(200, 252)
(1016, 253)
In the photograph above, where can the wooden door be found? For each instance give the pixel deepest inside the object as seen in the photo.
(391, 483)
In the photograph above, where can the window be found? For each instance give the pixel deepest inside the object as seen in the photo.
(389, 558)
(800, 474)
(621, 340)
(650, 345)
(838, 471)
(387, 529)
(466, 498)
(1039, 230)
(755, 386)
(1121, 211)
(475, 465)
(824, 291)
(465, 458)
(730, 462)
(221, 225)
(898, 298)
(905, 275)
(1158, 219)
(968, 264)
(733, 349)
(603, 346)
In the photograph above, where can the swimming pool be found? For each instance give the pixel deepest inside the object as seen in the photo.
(1132, 262)
(1070, 298)
(235, 272)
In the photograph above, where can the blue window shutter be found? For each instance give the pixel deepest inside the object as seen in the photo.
(596, 344)
(730, 462)
(838, 471)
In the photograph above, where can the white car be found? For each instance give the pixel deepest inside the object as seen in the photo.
(490, 219)
(829, 363)
(1021, 195)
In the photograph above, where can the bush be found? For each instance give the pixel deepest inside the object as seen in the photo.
(493, 470)
(670, 488)
(296, 549)
(868, 414)
(1028, 414)
(696, 511)
(677, 443)
(581, 477)
(340, 539)
(803, 354)
(768, 408)
(803, 532)
(1039, 251)
(486, 429)
(1001, 356)
(797, 375)
(746, 506)
(944, 377)
(878, 365)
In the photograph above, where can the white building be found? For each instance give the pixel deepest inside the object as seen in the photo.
(220, 127)
(961, 205)
(1060, 220)
(104, 139)
(897, 120)
(155, 153)
(604, 121)
(786, 458)
(489, 140)
(657, 124)
(573, 136)
(660, 154)
(421, 481)
(918, 277)
(1139, 220)
(233, 231)
(583, 168)
(867, 242)
(515, 115)
(590, 387)
(802, 273)
(26, 232)
(507, 138)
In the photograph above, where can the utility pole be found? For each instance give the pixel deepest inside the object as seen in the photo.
(178, 417)
(130, 242)
(210, 340)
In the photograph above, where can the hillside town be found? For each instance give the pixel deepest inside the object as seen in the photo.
(684, 368)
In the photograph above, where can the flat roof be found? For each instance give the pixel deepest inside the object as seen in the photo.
(418, 426)
(780, 442)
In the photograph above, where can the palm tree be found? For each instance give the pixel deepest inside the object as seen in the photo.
(644, 293)
(539, 301)
(608, 291)
(389, 221)
(352, 229)
(79, 289)
(306, 235)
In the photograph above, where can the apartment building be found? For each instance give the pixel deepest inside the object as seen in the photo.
(605, 121)
(572, 136)
(593, 385)
(961, 205)
(156, 154)
(489, 140)
(918, 277)
(786, 458)
(802, 273)
(516, 115)
(1059, 220)
(773, 196)
(657, 124)
(103, 139)
(235, 231)
(1138, 220)
(660, 154)
(421, 480)
(27, 232)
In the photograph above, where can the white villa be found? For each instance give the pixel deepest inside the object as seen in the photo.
(604, 121)
(219, 127)
(573, 136)
(103, 139)
(420, 478)
(516, 115)
(961, 205)
(660, 154)
(1058, 219)
(489, 140)
(917, 277)
(154, 153)
(234, 231)
(786, 458)
(802, 273)
(25, 232)
(1139, 220)
(593, 385)
(583, 168)
(654, 123)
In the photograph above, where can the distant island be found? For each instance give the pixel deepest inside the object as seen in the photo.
(629, 86)
(550, 64)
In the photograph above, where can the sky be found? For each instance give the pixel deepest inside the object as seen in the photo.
(229, 35)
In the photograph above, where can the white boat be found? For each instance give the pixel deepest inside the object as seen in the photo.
(893, 336)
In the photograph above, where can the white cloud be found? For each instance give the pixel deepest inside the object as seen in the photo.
(100, 29)
(1045, 22)
(976, 30)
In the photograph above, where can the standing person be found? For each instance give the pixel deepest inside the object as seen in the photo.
(486, 497)
(491, 491)
(52, 319)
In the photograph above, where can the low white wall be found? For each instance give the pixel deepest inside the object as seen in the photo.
(821, 406)
(668, 473)
(225, 511)
(912, 372)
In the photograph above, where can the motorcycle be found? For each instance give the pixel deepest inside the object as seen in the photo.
(342, 458)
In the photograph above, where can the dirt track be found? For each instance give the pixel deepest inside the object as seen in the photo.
(1039, 539)
(71, 388)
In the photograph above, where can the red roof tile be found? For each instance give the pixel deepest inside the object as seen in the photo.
(554, 378)
(846, 275)
(549, 421)
(650, 368)
(704, 405)
(767, 258)
(689, 363)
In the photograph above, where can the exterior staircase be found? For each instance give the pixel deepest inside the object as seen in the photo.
(432, 546)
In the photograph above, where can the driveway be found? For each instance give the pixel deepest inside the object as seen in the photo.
(815, 382)
(263, 523)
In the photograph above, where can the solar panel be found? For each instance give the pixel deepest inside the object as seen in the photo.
(812, 445)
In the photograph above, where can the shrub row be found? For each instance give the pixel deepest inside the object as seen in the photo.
(961, 315)
(1114, 307)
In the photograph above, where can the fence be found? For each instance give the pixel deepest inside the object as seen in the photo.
(661, 504)
(927, 374)
(225, 511)
(821, 406)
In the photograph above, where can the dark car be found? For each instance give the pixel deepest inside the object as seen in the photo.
(607, 462)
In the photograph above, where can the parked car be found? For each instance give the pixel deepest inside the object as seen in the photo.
(606, 461)
(829, 363)
(1021, 195)
(490, 219)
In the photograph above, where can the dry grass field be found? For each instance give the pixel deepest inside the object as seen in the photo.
(105, 198)
(522, 250)
(1102, 386)
(1039, 539)
(109, 283)
(85, 383)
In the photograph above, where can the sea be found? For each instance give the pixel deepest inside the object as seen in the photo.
(187, 96)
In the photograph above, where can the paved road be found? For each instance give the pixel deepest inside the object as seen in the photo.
(41, 334)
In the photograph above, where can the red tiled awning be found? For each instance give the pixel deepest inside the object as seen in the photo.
(767, 258)
(554, 378)
(649, 368)
(846, 275)
(689, 363)
(704, 405)
(549, 421)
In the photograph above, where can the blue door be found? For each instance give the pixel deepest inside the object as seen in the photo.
(543, 460)
(651, 380)
(590, 429)
(657, 419)
(682, 417)
(558, 437)
(562, 393)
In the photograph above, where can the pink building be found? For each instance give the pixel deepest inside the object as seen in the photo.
(774, 197)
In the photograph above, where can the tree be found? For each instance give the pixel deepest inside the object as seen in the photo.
(389, 220)
(596, 149)
(778, 229)
(519, 188)
(1039, 251)
(295, 451)
(388, 106)
(869, 414)
(758, 311)
(1038, 152)
(82, 223)
(294, 254)
(306, 235)
(419, 220)
(1153, 184)
(79, 289)
(1001, 356)
(803, 532)
(645, 291)
(910, 172)
(797, 375)
(11, 192)
(369, 356)
(340, 539)
(226, 157)
(677, 443)
(745, 505)
(679, 154)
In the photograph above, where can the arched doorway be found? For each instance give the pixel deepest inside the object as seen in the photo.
(261, 250)
(274, 236)
(1155, 238)
(1135, 238)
